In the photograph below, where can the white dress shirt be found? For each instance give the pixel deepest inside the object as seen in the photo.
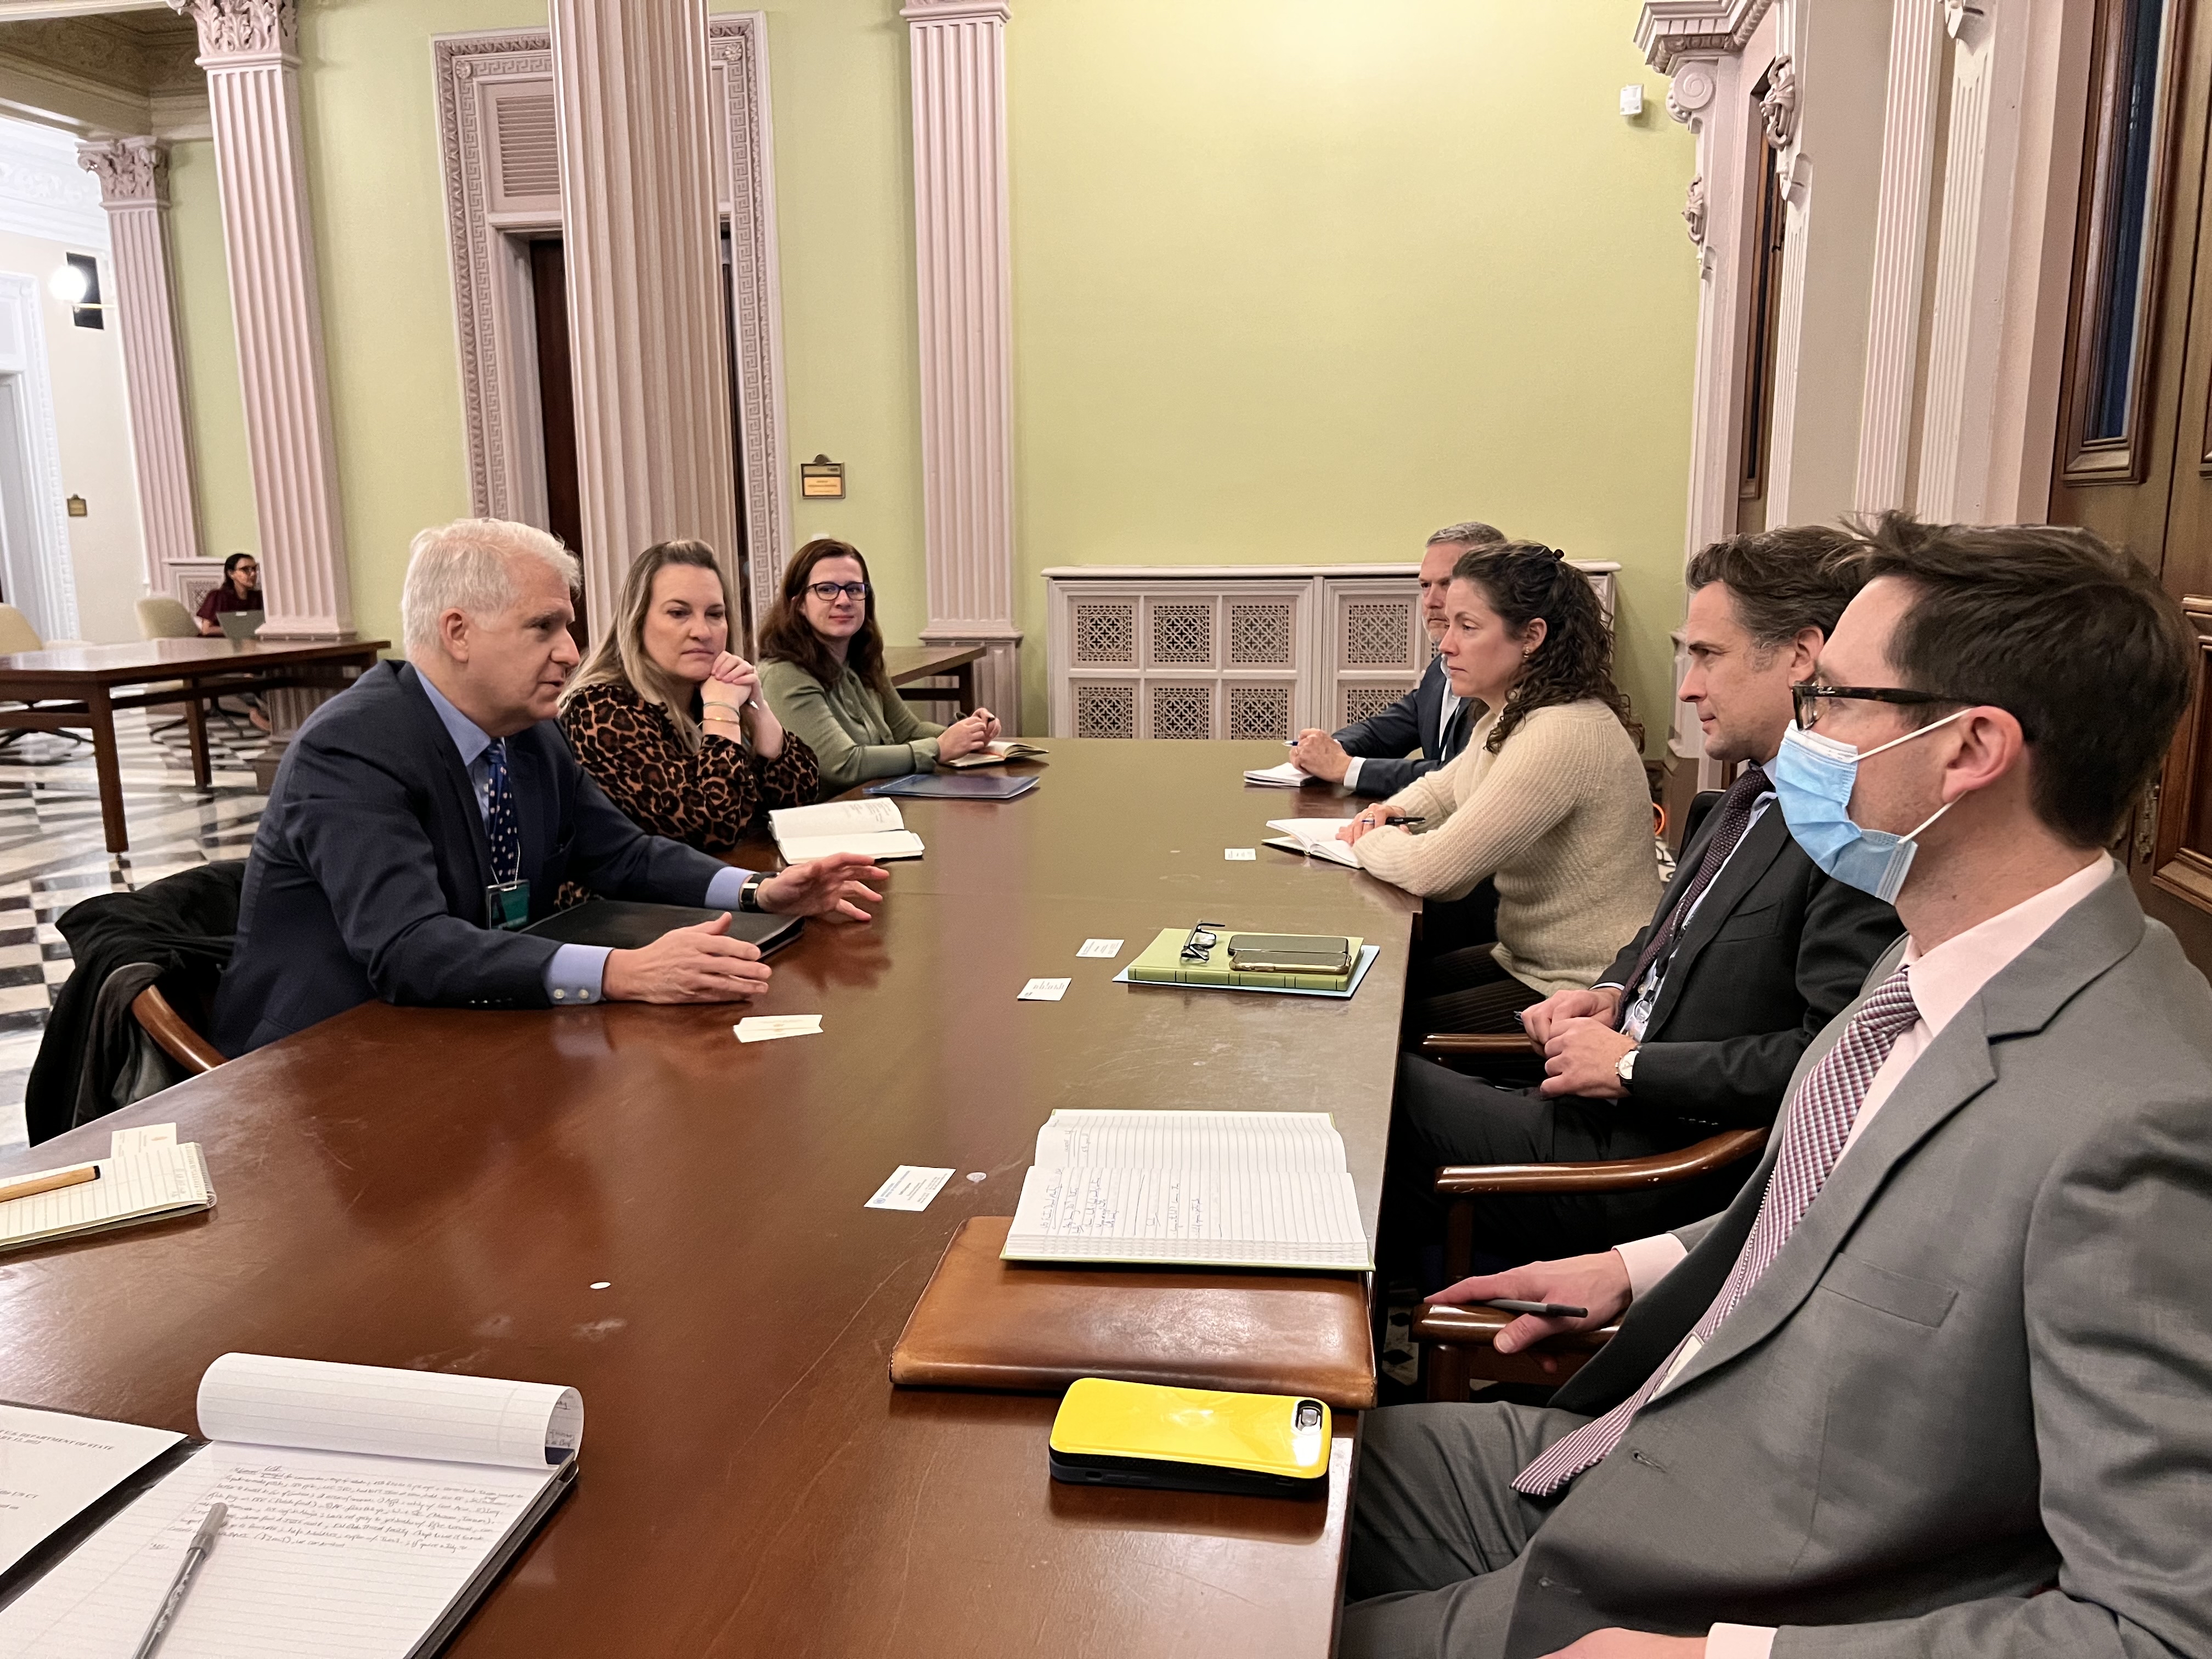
(1943, 981)
(1446, 713)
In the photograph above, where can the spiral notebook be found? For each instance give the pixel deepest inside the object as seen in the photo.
(369, 1510)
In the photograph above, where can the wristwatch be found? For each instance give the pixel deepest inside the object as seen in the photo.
(1625, 1071)
(749, 895)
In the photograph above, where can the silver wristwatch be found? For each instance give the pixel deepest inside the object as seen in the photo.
(1625, 1071)
(749, 895)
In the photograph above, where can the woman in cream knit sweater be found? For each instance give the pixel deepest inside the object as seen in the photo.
(1549, 797)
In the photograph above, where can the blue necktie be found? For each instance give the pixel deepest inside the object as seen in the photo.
(501, 827)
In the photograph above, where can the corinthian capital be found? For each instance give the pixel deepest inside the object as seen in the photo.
(132, 171)
(244, 29)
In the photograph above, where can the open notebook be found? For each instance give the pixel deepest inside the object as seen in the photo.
(369, 1510)
(1238, 1189)
(873, 828)
(1315, 837)
(996, 754)
(146, 1176)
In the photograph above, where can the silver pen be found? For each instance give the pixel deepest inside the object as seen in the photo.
(195, 1552)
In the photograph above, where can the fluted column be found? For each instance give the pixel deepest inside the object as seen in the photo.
(649, 360)
(134, 188)
(957, 49)
(249, 49)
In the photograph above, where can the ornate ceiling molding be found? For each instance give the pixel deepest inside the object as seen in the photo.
(132, 171)
(1671, 29)
(42, 191)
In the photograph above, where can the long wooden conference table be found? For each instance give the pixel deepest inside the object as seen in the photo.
(443, 1189)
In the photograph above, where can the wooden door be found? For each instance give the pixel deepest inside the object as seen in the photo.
(2133, 457)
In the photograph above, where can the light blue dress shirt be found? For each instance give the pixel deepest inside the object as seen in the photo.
(578, 972)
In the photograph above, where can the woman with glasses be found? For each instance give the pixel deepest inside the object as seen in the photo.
(1548, 798)
(821, 669)
(239, 590)
(669, 722)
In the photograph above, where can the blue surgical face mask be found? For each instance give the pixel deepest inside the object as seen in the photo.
(1814, 777)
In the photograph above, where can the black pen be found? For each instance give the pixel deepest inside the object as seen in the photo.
(1549, 1310)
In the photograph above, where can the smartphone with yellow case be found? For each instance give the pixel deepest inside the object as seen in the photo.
(1138, 1434)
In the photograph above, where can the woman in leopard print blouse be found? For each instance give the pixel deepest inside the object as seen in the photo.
(671, 725)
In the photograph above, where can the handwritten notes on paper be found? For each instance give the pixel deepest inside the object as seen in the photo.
(1240, 854)
(1043, 990)
(1107, 948)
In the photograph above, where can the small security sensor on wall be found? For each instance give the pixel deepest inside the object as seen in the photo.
(1631, 100)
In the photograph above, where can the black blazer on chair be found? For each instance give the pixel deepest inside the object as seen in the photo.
(1384, 739)
(1775, 950)
(367, 874)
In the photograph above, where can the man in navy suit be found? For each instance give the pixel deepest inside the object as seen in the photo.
(432, 808)
(1370, 757)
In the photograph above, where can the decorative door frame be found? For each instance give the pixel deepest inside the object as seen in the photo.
(492, 210)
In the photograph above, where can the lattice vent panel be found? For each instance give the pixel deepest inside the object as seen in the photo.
(1105, 711)
(1259, 711)
(1356, 702)
(1377, 634)
(1182, 711)
(1106, 634)
(1183, 636)
(1259, 634)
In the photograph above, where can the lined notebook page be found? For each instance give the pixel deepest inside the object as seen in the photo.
(1204, 1142)
(155, 1179)
(1318, 838)
(1243, 1218)
(871, 825)
(268, 1402)
(324, 1554)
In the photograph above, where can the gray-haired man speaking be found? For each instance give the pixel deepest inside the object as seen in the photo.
(433, 807)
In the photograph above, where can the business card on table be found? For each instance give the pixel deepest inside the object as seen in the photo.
(911, 1187)
(765, 1028)
(1108, 948)
(1240, 854)
(1043, 990)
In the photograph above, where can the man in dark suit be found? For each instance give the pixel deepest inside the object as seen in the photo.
(1940, 1380)
(1371, 757)
(1704, 1012)
(431, 808)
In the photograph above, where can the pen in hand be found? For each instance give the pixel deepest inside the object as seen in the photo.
(195, 1552)
(1549, 1310)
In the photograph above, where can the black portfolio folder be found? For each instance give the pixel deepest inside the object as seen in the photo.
(630, 927)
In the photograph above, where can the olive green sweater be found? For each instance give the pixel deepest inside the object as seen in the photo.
(853, 735)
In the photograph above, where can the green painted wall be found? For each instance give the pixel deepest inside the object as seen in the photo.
(214, 408)
(844, 183)
(1288, 287)
(1294, 283)
(369, 104)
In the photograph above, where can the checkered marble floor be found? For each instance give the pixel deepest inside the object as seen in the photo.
(53, 852)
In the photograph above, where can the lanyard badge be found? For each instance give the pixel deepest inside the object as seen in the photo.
(506, 904)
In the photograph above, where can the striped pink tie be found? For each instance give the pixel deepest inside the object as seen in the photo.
(1820, 1122)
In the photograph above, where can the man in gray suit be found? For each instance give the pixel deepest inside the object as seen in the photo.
(1940, 1381)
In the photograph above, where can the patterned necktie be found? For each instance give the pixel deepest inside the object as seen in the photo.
(501, 827)
(1734, 810)
(1820, 1122)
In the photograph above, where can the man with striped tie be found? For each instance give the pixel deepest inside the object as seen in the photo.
(1940, 1380)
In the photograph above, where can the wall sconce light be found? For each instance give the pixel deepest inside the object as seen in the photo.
(76, 283)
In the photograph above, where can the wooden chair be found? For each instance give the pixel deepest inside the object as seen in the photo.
(1459, 1351)
(176, 1037)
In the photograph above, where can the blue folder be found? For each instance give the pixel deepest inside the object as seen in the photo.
(953, 786)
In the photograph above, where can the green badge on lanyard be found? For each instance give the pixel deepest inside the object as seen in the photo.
(506, 904)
